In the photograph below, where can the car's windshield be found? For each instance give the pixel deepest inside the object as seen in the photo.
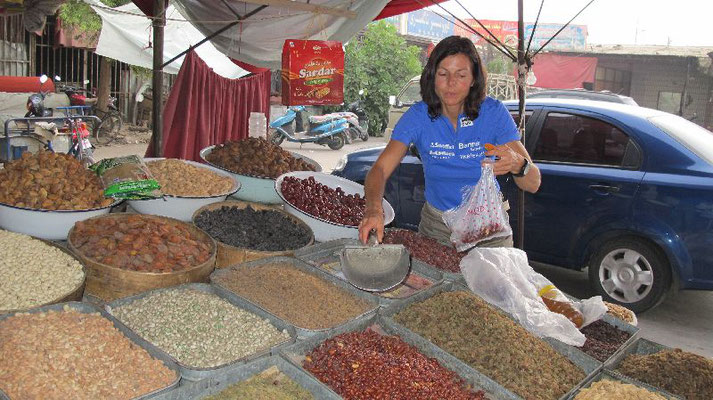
(694, 137)
(411, 94)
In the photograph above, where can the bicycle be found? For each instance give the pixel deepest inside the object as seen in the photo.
(110, 120)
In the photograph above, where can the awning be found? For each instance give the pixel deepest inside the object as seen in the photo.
(126, 36)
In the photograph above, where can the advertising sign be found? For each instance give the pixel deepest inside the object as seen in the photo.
(428, 25)
(312, 72)
(573, 37)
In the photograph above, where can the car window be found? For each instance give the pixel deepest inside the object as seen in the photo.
(580, 140)
(696, 138)
(411, 94)
(516, 116)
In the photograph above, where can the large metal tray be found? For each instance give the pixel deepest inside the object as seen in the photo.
(586, 363)
(325, 255)
(192, 373)
(299, 350)
(89, 309)
(302, 266)
(220, 381)
(615, 376)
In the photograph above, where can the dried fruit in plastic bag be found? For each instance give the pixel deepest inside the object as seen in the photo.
(127, 178)
(480, 216)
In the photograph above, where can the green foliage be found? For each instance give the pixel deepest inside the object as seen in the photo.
(80, 16)
(380, 63)
(499, 65)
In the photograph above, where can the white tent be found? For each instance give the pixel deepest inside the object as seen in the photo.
(126, 35)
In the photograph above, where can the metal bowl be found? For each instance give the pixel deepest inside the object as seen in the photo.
(46, 224)
(326, 230)
(255, 188)
(183, 207)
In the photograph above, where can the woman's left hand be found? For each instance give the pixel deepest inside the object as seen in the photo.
(507, 160)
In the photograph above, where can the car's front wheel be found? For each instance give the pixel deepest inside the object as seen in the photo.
(630, 272)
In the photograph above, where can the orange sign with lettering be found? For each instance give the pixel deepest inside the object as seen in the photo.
(312, 72)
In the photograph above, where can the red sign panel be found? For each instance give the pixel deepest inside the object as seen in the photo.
(312, 72)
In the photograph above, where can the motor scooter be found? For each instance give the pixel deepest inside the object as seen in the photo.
(361, 129)
(322, 130)
(36, 102)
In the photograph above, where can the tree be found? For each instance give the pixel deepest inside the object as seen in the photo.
(380, 63)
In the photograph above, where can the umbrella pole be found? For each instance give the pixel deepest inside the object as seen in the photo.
(521, 74)
(159, 21)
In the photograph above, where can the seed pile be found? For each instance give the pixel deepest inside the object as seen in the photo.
(366, 365)
(603, 340)
(72, 355)
(179, 178)
(676, 371)
(303, 299)
(33, 273)
(608, 389)
(426, 249)
(324, 202)
(263, 230)
(270, 384)
(198, 329)
(141, 243)
(482, 337)
(50, 181)
(256, 157)
(620, 312)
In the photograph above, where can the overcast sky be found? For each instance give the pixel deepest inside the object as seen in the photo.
(680, 22)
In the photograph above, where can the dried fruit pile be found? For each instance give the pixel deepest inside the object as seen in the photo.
(270, 384)
(263, 230)
(72, 355)
(608, 389)
(367, 365)
(620, 312)
(140, 243)
(603, 340)
(426, 249)
(303, 299)
(484, 338)
(676, 371)
(51, 181)
(198, 329)
(178, 178)
(33, 273)
(324, 202)
(256, 157)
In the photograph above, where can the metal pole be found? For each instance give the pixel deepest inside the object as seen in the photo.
(521, 71)
(159, 21)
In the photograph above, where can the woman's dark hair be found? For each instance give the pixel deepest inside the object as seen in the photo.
(447, 47)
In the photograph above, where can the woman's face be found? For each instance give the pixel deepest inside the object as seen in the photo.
(454, 77)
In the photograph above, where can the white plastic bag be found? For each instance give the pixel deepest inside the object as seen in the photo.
(503, 278)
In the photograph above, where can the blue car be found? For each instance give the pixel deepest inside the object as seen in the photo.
(626, 191)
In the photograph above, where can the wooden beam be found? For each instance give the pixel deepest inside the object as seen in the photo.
(314, 8)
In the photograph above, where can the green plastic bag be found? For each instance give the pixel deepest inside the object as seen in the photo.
(127, 178)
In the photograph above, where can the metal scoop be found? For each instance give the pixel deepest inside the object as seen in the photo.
(375, 267)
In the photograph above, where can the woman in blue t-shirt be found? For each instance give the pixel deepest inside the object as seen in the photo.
(450, 128)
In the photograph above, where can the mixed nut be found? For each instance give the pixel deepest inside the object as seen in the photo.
(141, 243)
(34, 273)
(179, 178)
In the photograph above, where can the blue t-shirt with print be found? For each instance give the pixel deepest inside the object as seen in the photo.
(451, 160)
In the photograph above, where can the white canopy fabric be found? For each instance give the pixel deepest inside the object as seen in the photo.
(126, 34)
(258, 39)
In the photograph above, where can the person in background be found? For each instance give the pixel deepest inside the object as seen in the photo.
(450, 129)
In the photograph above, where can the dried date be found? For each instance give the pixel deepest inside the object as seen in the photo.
(323, 202)
(426, 249)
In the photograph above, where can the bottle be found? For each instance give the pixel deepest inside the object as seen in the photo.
(257, 125)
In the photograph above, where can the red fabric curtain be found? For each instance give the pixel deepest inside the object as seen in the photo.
(205, 108)
(554, 71)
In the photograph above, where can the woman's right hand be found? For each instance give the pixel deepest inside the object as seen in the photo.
(373, 219)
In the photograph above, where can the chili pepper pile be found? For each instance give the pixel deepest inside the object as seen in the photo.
(367, 365)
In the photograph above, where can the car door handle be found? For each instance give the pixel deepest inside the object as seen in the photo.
(604, 188)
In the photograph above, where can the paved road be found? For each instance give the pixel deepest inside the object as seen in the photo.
(683, 320)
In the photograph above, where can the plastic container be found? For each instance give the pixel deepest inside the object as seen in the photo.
(257, 125)
(254, 188)
(182, 207)
(326, 230)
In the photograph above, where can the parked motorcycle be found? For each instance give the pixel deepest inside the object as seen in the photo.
(111, 120)
(36, 102)
(361, 129)
(322, 130)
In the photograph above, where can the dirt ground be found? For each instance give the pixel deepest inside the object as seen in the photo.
(130, 140)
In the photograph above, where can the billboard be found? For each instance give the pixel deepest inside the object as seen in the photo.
(573, 37)
(429, 25)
